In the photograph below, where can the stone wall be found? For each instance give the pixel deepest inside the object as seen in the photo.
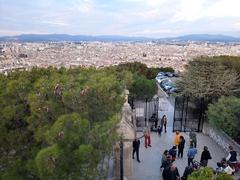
(221, 138)
(127, 131)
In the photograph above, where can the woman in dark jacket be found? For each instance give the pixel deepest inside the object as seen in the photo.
(205, 156)
(181, 146)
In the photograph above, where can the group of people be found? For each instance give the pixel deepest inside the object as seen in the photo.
(158, 125)
(147, 137)
(230, 164)
(169, 170)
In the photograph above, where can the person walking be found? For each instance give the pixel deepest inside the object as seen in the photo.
(147, 137)
(159, 130)
(181, 146)
(192, 151)
(164, 123)
(193, 138)
(136, 146)
(205, 156)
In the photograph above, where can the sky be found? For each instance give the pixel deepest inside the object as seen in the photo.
(148, 18)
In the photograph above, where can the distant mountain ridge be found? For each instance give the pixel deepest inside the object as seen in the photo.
(207, 37)
(115, 38)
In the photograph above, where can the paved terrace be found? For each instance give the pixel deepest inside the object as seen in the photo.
(149, 168)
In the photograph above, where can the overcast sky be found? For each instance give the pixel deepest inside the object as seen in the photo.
(150, 18)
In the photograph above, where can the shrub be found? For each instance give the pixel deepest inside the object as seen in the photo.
(225, 115)
(202, 174)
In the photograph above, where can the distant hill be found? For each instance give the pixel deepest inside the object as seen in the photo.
(206, 37)
(66, 37)
(113, 38)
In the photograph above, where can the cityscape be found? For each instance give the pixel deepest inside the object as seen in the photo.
(120, 90)
(16, 55)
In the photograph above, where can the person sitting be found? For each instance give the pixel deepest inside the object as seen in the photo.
(219, 168)
(229, 169)
(188, 170)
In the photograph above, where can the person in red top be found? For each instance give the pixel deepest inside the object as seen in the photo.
(147, 137)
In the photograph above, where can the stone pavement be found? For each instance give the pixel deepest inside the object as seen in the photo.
(149, 168)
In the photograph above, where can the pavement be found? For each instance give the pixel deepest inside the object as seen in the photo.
(150, 157)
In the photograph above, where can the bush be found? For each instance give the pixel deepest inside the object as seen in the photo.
(202, 174)
(224, 176)
(208, 174)
(225, 115)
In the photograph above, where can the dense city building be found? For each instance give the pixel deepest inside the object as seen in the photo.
(15, 55)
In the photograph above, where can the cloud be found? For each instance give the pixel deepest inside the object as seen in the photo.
(55, 23)
(123, 17)
(84, 6)
(189, 10)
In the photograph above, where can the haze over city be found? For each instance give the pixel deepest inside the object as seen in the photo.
(149, 18)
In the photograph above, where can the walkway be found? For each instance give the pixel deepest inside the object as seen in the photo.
(149, 168)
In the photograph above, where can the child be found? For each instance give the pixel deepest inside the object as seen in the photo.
(159, 130)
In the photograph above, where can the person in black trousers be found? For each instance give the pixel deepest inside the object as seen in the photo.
(136, 146)
(181, 146)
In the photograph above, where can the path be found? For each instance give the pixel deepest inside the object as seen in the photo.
(149, 168)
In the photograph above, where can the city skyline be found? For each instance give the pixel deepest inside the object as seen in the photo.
(148, 18)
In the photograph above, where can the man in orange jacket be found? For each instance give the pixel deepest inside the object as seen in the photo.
(177, 139)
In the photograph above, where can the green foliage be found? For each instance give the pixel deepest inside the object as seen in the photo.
(135, 68)
(143, 88)
(59, 124)
(202, 174)
(142, 69)
(208, 174)
(225, 114)
(209, 78)
(139, 79)
(224, 176)
(232, 62)
(46, 160)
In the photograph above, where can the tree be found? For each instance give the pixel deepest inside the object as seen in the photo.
(142, 69)
(209, 79)
(225, 114)
(59, 123)
(143, 88)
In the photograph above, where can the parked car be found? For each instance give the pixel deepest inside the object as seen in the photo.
(161, 74)
(169, 74)
(174, 90)
(166, 84)
(160, 78)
